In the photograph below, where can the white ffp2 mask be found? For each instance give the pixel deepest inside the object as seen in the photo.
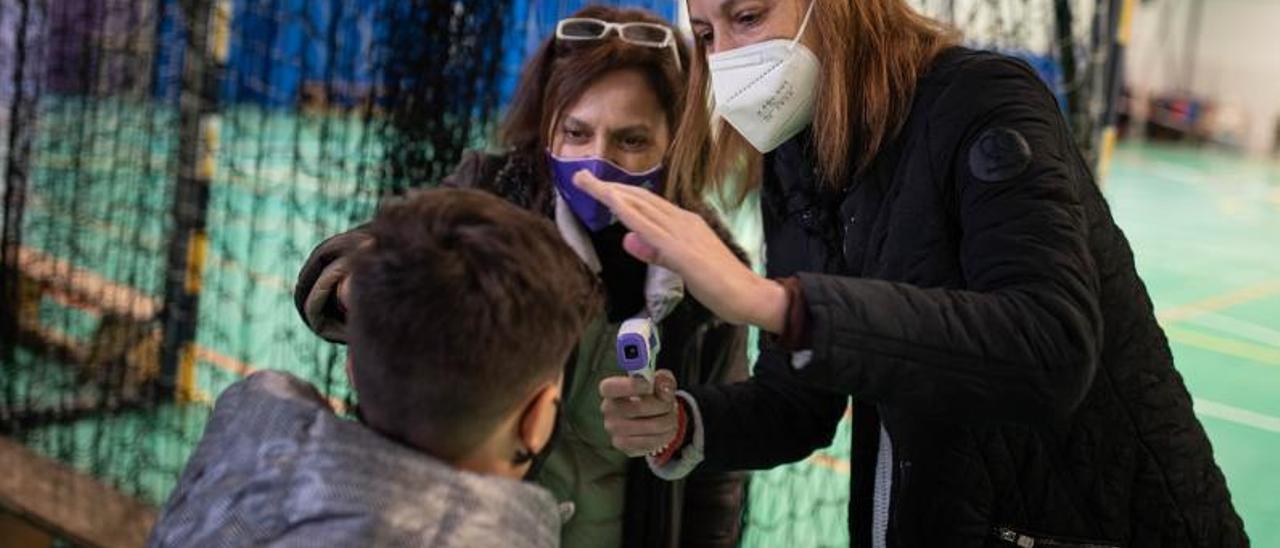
(766, 90)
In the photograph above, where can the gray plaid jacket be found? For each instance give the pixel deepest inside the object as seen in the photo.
(276, 467)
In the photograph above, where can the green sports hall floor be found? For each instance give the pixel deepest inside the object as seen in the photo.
(1205, 228)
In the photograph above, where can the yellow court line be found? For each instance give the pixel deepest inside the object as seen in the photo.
(832, 462)
(243, 369)
(836, 464)
(224, 362)
(1218, 302)
(1222, 345)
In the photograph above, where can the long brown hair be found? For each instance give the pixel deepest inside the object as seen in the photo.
(872, 53)
(561, 71)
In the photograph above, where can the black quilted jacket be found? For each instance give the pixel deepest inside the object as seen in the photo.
(973, 295)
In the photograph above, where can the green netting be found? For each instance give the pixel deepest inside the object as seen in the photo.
(130, 124)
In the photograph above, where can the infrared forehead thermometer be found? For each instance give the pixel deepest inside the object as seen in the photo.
(638, 348)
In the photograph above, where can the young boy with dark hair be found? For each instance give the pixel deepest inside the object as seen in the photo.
(464, 309)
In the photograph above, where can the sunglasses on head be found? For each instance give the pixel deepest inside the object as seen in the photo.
(648, 35)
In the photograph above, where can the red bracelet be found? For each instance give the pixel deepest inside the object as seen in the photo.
(664, 456)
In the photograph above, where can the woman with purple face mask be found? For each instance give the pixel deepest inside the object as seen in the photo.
(602, 95)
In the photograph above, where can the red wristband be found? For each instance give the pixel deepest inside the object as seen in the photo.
(682, 422)
(795, 334)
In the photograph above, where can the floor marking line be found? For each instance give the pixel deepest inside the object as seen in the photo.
(1229, 413)
(224, 362)
(1175, 172)
(1218, 302)
(835, 464)
(221, 261)
(1223, 345)
(1261, 334)
(244, 369)
(1203, 407)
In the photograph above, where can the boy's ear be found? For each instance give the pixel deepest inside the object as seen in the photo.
(539, 418)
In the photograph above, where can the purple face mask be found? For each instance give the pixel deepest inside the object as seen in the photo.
(593, 214)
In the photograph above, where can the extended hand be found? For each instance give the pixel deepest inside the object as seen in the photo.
(680, 240)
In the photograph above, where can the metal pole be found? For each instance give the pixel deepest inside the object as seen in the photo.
(18, 154)
(1122, 22)
(203, 63)
(1194, 17)
(1067, 56)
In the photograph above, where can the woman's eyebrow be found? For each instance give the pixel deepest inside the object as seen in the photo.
(634, 128)
(725, 7)
(570, 121)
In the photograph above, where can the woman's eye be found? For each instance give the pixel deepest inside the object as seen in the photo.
(633, 143)
(575, 135)
(705, 36)
(747, 18)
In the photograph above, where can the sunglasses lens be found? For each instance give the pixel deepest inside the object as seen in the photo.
(646, 34)
(581, 28)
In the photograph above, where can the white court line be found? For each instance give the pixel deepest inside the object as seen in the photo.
(1255, 332)
(1178, 173)
(1175, 173)
(1237, 415)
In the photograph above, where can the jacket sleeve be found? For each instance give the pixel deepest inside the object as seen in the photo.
(315, 293)
(474, 167)
(1021, 341)
(763, 422)
(756, 423)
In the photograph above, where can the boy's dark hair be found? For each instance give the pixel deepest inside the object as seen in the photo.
(461, 306)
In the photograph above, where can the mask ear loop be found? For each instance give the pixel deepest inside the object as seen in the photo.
(803, 25)
(525, 455)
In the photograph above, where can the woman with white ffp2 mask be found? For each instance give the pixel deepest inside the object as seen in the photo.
(766, 90)
(936, 250)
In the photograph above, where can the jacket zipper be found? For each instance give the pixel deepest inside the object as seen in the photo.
(882, 504)
(1023, 540)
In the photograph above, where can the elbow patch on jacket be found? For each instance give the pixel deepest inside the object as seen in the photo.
(999, 154)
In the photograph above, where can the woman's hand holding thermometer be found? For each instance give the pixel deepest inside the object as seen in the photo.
(640, 409)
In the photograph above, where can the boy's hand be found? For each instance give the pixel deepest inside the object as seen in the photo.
(322, 284)
(641, 420)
